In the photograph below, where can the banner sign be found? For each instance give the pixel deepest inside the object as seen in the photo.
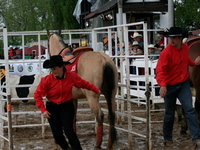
(21, 69)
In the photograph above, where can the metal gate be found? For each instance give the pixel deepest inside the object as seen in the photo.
(126, 90)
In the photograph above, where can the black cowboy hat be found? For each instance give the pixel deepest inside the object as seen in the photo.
(54, 61)
(175, 31)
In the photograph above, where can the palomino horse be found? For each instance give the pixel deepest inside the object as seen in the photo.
(194, 77)
(98, 69)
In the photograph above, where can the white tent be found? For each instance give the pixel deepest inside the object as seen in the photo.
(95, 5)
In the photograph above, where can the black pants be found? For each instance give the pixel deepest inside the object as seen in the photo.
(61, 118)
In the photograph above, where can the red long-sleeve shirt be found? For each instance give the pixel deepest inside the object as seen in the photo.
(59, 90)
(161, 42)
(172, 66)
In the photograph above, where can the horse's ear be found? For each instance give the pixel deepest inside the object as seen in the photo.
(48, 33)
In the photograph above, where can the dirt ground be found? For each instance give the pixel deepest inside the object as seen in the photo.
(30, 138)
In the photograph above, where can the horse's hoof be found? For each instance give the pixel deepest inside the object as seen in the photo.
(197, 145)
(197, 148)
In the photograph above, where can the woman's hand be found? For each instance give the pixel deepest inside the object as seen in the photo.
(197, 61)
(46, 114)
(98, 92)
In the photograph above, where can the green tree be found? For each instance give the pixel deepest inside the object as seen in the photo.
(2, 10)
(69, 20)
(26, 15)
(37, 15)
(62, 14)
(187, 14)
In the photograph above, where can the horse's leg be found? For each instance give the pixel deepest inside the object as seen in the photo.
(197, 109)
(16, 109)
(182, 119)
(112, 137)
(197, 104)
(95, 107)
(109, 88)
(75, 101)
(184, 126)
(179, 112)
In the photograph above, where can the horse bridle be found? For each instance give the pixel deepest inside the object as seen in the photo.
(62, 50)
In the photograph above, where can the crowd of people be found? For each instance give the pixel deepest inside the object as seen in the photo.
(14, 53)
(136, 44)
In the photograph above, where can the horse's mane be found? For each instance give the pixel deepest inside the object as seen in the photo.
(59, 39)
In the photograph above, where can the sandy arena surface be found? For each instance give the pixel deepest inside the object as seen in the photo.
(30, 138)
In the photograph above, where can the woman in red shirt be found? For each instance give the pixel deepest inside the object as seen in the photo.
(59, 110)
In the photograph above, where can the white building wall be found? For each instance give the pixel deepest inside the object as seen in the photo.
(163, 21)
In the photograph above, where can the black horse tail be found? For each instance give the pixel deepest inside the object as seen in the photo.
(108, 87)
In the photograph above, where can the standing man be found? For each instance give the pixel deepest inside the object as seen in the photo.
(172, 77)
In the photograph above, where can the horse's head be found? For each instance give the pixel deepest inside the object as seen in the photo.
(55, 43)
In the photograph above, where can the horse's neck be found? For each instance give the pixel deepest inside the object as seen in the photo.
(192, 39)
(55, 46)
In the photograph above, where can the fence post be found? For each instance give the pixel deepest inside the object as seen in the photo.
(9, 122)
(147, 93)
(1, 123)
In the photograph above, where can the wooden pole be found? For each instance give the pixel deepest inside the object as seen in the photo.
(1, 123)
(10, 138)
(147, 93)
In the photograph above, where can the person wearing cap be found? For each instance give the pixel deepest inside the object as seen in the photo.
(59, 110)
(139, 27)
(137, 37)
(135, 46)
(153, 53)
(172, 77)
(105, 44)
